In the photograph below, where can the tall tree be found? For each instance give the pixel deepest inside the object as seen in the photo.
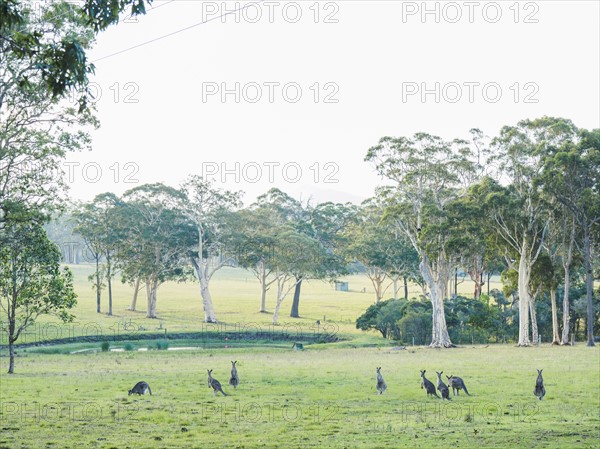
(428, 174)
(559, 248)
(519, 211)
(255, 239)
(386, 255)
(567, 245)
(96, 223)
(87, 224)
(289, 214)
(544, 279)
(36, 129)
(208, 209)
(31, 280)
(326, 222)
(295, 255)
(157, 240)
(572, 176)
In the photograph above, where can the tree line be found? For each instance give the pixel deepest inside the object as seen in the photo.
(524, 204)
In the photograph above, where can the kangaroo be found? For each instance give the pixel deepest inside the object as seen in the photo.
(381, 385)
(426, 383)
(140, 388)
(457, 384)
(235, 380)
(539, 391)
(442, 387)
(214, 384)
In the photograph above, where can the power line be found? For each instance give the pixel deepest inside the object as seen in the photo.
(177, 32)
(64, 14)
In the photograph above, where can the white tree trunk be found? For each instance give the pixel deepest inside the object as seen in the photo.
(566, 306)
(377, 277)
(567, 285)
(277, 307)
(263, 286)
(201, 267)
(523, 287)
(136, 289)
(209, 311)
(148, 296)
(436, 277)
(589, 282)
(396, 278)
(555, 333)
(282, 291)
(534, 326)
(151, 288)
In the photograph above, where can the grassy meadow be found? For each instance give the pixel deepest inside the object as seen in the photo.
(236, 296)
(323, 396)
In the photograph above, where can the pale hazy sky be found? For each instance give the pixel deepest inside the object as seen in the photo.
(318, 83)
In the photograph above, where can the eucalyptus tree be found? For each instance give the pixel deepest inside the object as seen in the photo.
(427, 174)
(519, 210)
(157, 238)
(567, 245)
(97, 224)
(37, 129)
(87, 223)
(255, 239)
(59, 61)
(316, 223)
(295, 255)
(32, 282)
(385, 254)
(326, 223)
(572, 176)
(466, 218)
(209, 209)
(544, 278)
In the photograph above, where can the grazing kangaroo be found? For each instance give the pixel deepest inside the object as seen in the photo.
(214, 384)
(442, 387)
(381, 385)
(235, 380)
(140, 388)
(426, 383)
(539, 391)
(457, 384)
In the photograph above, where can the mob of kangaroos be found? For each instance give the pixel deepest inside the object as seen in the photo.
(214, 384)
(234, 381)
(539, 390)
(381, 385)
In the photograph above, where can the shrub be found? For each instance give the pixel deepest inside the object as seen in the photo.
(105, 346)
(128, 347)
(162, 344)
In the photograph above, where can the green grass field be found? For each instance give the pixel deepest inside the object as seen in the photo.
(236, 295)
(323, 396)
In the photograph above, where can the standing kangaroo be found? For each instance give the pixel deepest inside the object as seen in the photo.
(381, 385)
(426, 383)
(214, 384)
(442, 387)
(235, 380)
(539, 391)
(140, 388)
(457, 384)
